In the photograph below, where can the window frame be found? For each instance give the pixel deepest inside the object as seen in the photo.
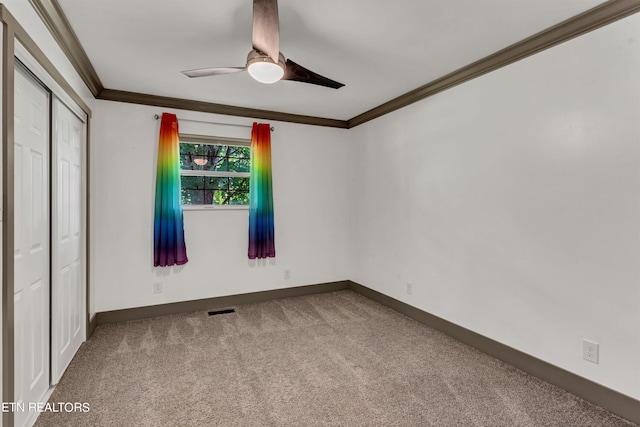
(213, 140)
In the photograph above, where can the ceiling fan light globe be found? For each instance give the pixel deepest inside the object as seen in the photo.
(265, 72)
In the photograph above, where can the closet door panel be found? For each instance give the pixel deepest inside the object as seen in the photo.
(67, 326)
(32, 281)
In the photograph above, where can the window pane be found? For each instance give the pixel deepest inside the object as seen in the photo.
(193, 192)
(242, 152)
(192, 156)
(215, 183)
(239, 159)
(205, 157)
(209, 157)
(221, 164)
(226, 197)
(239, 198)
(238, 165)
(239, 184)
(207, 190)
(193, 182)
(192, 197)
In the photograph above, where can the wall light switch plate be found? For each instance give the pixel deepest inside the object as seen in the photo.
(157, 287)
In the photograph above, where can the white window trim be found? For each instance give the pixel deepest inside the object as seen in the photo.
(215, 207)
(215, 140)
(215, 174)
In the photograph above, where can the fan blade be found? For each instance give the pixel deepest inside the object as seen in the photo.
(300, 74)
(215, 71)
(266, 30)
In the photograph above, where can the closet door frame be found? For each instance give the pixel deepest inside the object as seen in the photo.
(57, 95)
(15, 40)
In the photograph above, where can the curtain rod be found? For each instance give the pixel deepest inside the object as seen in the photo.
(157, 117)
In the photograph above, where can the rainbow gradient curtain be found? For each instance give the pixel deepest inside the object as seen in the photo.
(168, 228)
(261, 235)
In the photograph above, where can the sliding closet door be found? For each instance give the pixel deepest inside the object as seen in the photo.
(67, 289)
(31, 288)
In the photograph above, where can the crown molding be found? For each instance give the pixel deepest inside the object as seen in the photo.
(599, 16)
(590, 20)
(208, 107)
(53, 17)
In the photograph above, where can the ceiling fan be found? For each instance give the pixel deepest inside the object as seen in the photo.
(265, 63)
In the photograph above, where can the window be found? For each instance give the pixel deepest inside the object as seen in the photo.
(214, 171)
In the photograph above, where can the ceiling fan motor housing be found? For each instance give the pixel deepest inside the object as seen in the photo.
(256, 56)
(263, 69)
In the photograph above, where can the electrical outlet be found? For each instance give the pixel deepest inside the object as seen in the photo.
(287, 274)
(590, 351)
(157, 287)
(409, 288)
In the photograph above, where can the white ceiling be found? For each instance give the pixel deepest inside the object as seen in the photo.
(378, 49)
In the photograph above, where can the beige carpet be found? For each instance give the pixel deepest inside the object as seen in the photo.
(335, 359)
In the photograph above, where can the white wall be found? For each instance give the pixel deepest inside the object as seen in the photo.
(310, 197)
(512, 203)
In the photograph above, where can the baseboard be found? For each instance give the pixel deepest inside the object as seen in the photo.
(611, 400)
(214, 303)
(93, 323)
